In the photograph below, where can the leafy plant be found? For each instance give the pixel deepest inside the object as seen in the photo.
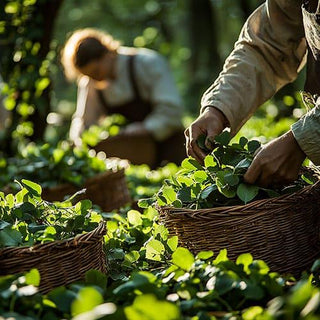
(108, 127)
(50, 166)
(219, 182)
(143, 182)
(26, 219)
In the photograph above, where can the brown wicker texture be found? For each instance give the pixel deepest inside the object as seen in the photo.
(59, 262)
(109, 190)
(283, 231)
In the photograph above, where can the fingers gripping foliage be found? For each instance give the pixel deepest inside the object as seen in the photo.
(219, 182)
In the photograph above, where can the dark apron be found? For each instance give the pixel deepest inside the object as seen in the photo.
(311, 21)
(170, 150)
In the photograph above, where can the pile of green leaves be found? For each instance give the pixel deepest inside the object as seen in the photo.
(108, 127)
(52, 165)
(219, 182)
(26, 219)
(135, 241)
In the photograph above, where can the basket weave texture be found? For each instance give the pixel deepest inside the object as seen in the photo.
(282, 231)
(59, 262)
(109, 190)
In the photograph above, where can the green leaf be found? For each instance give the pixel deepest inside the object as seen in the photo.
(58, 155)
(253, 145)
(183, 258)
(224, 189)
(169, 194)
(247, 192)
(147, 307)
(204, 255)
(4, 224)
(173, 243)
(223, 138)
(63, 298)
(207, 191)
(145, 203)
(243, 141)
(134, 218)
(221, 257)
(253, 313)
(87, 299)
(201, 140)
(96, 278)
(10, 237)
(33, 277)
(243, 164)
(231, 179)
(209, 161)
(184, 194)
(132, 256)
(253, 291)
(200, 176)
(245, 259)
(154, 250)
(34, 188)
(191, 164)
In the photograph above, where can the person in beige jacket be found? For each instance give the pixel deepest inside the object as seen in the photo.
(136, 83)
(272, 48)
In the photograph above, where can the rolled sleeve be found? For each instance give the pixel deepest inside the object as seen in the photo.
(307, 133)
(269, 53)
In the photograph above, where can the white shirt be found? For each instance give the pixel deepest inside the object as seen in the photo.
(155, 84)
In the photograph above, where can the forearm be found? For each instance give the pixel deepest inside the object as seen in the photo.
(307, 133)
(268, 55)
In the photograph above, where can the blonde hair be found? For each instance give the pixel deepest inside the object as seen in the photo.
(83, 46)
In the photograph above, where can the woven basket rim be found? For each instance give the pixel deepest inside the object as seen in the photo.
(237, 210)
(99, 231)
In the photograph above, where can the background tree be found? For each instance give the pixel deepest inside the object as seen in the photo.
(26, 33)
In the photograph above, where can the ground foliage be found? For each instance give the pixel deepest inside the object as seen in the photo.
(150, 276)
(51, 165)
(26, 219)
(108, 127)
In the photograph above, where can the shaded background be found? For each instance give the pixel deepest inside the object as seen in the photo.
(194, 35)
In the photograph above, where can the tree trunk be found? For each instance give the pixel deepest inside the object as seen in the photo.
(206, 61)
(48, 11)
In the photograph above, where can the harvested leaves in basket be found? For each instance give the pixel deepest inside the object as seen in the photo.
(219, 182)
(51, 166)
(27, 219)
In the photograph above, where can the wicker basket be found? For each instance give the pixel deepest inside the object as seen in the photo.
(109, 190)
(283, 231)
(59, 262)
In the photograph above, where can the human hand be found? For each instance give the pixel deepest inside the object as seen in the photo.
(210, 123)
(135, 128)
(277, 163)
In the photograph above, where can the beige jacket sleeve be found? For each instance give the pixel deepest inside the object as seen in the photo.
(269, 53)
(156, 78)
(307, 133)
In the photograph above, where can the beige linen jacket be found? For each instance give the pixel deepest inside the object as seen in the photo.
(269, 53)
